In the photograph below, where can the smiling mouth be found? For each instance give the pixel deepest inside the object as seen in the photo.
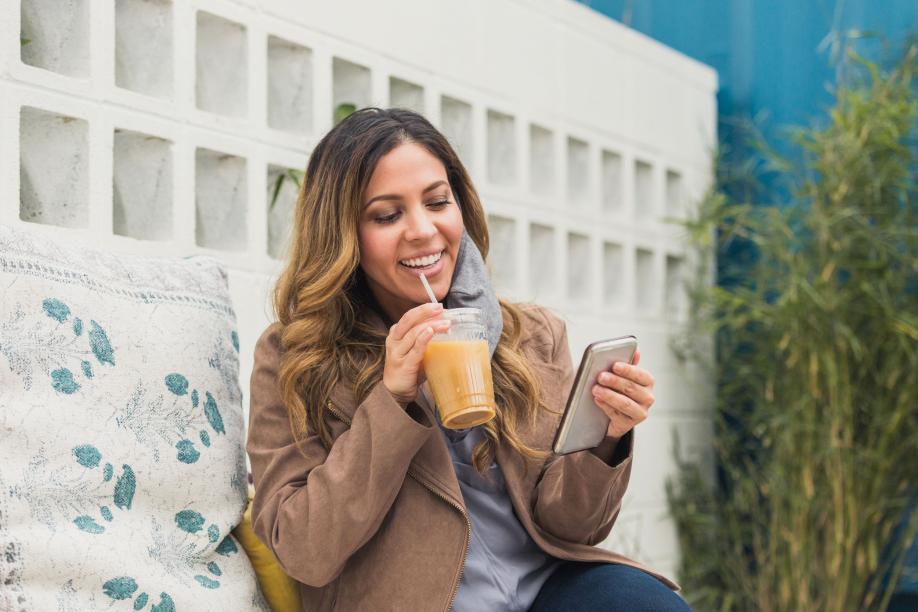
(421, 263)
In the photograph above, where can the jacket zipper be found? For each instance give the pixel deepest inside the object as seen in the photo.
(468, 534)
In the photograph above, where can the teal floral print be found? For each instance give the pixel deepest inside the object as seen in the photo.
(80, 494)
(59, 349)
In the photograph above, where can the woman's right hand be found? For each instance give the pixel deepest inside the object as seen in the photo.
(405, 347)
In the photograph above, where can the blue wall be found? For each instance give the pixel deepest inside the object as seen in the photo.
(774, 61)
(773, 57)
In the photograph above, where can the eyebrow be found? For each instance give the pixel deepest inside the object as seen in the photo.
(430, 187)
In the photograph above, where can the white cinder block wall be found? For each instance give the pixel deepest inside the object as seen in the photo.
(159, 126)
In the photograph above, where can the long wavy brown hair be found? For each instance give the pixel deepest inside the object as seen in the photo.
(321, 298)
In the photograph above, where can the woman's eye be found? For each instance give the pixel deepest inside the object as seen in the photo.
(387, 218)
(439, 203)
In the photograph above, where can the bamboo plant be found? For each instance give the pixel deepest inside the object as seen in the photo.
(811, 504)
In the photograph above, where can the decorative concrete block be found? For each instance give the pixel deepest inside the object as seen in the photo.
(143, 46)
(644, 192)
(578, 171)
(542, 261)
(142, 186)
(502, 256)
(456, 125)
(674, 288)
(645, 282)
(53, 168)
(54, 35)
(282, 194)
(221, 193)
(611, 168)
(501, 130)
(403, 94)
(351, 85)
(579, 267)
(613, 274)
(541, 160)
(290, 91)
(221, 84)
(675, 206)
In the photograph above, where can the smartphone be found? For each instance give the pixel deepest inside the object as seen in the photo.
(584, 424)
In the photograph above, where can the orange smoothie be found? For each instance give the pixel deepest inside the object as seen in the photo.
(459, 375)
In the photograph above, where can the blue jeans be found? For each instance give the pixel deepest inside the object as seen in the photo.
(605, 587)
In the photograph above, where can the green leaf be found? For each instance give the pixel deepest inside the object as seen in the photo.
(342, 111)
(190, 521)
(87, 455)
(98, 342)
(212, 413)
(120, 588)
(56, 309)
(125, 487)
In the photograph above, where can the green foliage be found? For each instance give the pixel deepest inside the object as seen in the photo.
(816, 360)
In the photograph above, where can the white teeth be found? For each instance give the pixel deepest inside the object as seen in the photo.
(422, 261)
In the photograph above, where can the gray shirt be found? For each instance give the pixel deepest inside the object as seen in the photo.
(504, 569)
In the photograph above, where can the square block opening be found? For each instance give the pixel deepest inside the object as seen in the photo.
(283, 189)
(403, 94)
(612, 199)
(578, 266)
(142, 186)
(613, 274)
(221, 194)
(54, 35)
(351, 88)
(502, 258)
(644, 196)
(456, 120)
(143, 46)
(501, 148)
(53, 168)
(289, 86)
(675, 287)
(578, 171)
(221, 84)
(541, 160)
(645, 282)
(542, 258)
(675, 205)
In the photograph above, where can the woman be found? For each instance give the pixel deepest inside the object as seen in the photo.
(363, 498)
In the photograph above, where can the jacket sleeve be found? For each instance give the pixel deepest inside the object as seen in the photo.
(315, 508)
(578, 496)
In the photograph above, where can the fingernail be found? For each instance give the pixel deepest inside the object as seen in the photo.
(618, 367)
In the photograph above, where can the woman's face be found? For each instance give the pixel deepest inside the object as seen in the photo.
(410, 223)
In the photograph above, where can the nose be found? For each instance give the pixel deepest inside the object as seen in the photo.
(420, 225)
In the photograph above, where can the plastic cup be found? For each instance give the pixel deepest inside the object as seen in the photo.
(457, 364)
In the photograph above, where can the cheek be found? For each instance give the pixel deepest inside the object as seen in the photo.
(375, 248)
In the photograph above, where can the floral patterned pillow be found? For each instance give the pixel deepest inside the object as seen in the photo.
(122, 467)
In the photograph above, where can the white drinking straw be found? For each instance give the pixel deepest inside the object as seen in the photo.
(427, 288)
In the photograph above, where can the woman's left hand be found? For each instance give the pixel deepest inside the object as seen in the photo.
(625, 395)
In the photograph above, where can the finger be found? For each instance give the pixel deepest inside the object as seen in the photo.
(412, 337)
(617, 402)
(629, 388)
(632, 372)
(417, 351)
(413, 317)
(637, 356)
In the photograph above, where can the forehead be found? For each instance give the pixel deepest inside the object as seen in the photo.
(407, 167)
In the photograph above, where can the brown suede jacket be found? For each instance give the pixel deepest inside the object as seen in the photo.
(378, 522)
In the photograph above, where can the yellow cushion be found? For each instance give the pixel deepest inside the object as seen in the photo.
(280, 590)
